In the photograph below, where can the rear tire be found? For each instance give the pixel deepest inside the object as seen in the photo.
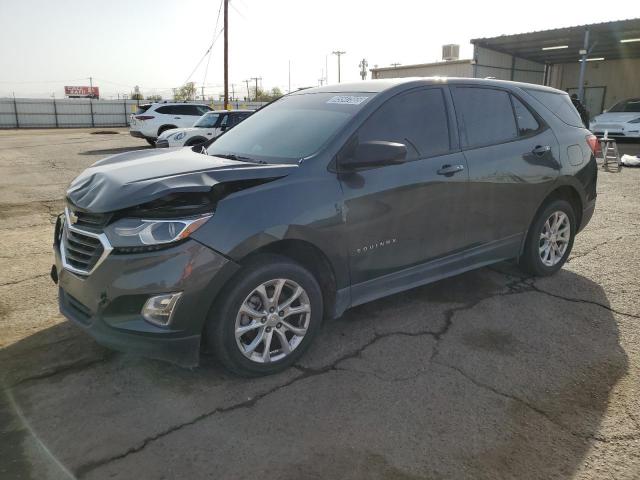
(550, 239)
(251, 315)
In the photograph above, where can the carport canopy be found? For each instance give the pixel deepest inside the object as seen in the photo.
(610, 40)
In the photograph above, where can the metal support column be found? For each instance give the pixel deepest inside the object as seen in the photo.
(15, 110)
(55, 112)
(583, 65)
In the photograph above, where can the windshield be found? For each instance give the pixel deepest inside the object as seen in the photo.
(208, 120)
(292, 128)
(630, 105)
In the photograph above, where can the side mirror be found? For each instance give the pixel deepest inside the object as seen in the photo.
(373, 154)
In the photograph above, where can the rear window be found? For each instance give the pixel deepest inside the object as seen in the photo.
(142, 109)
(630, 105)
(560, 104)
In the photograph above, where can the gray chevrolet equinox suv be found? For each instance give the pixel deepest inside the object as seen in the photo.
(325, 199)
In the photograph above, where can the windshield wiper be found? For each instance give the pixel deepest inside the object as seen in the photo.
(239, 158)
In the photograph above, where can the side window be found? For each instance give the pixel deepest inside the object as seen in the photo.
(487, 115)
(225, 121)
(417, 119)
(202, 109)
(190, 110)
(527, 123)
(167, 110)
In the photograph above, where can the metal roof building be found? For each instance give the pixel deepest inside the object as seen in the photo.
(600, 61)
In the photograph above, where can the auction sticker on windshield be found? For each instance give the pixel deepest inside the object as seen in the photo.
(347, 99)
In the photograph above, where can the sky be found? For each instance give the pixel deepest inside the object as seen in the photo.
(161, 44)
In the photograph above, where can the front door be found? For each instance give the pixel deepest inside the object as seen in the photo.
(399, 216)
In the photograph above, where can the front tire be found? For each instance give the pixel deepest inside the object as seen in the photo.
(266, 317)
(550, 239)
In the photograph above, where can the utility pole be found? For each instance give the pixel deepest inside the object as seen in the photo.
(226, 53)
(363, 68)
(395, 65)
(233, 91)
(202, 88)
(338, 53)
(248, 92)
(583, 65)
(256, 79)
(326, 69)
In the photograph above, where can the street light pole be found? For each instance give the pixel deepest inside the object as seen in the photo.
(338, 53)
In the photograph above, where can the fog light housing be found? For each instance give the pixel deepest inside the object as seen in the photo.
(159, 310)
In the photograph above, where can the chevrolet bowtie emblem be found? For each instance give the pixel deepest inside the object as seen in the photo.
(73, 218)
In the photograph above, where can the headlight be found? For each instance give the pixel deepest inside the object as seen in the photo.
(137, 234)
(180, 135)
(637, 120)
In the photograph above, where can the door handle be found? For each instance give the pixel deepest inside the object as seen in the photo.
(449, 170)
(541, 149)
(177, 118)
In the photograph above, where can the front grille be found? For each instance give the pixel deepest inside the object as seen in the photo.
(81, 251)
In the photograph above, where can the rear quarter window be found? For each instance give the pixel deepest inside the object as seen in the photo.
(560, 105)
(142, 109)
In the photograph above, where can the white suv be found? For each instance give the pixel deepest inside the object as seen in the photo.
(154, 118)
(210, 125)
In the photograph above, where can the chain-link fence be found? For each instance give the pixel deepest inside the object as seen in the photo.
(76, 112)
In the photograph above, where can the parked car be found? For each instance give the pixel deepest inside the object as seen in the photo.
(209, 126)
(621, 120)
(150, 120)
(325, 199)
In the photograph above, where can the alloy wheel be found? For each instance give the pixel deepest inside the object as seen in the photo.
(554, 238)
(272, 320)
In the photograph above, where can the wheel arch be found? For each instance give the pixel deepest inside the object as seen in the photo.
(566, 192)
(165, 127)
(308, 256)
(193, 140)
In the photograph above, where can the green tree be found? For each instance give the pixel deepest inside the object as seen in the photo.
(154, 98)
(268, 96)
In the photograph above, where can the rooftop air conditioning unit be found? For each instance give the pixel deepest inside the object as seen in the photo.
(450, 52)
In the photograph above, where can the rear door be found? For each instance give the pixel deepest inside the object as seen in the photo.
(512, 158)
(398, 216)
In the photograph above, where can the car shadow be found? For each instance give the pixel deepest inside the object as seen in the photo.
(113, 151)
(513, 383)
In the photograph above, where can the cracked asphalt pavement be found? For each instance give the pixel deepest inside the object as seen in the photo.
(487, 375)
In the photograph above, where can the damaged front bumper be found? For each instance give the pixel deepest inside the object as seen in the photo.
(108, 303)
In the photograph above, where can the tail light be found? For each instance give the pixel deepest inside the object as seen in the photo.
(594, 144)
(144, 117)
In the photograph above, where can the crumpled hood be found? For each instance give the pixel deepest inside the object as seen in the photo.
(138, 177)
